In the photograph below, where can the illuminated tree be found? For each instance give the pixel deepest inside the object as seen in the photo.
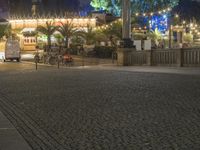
(100, 5)
(152, 5)
(114, 6)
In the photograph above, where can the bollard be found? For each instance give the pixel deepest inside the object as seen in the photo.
(59, 59)
(113, 58)
(36, 66)
(36, 61)
(83, 61)
(58, 64)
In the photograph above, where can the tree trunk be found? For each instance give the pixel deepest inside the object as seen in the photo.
(66, 42)
(49, 42)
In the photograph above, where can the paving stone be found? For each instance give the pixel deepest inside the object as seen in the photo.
(103, 109)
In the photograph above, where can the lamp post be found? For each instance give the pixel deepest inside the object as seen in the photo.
(126, 28)
(127, 44)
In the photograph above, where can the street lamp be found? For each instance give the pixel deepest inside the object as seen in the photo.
(126, 46)
(126, 28)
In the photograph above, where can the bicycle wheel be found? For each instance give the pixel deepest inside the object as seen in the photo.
(52, 60)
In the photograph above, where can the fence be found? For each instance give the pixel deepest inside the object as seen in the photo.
(170, 57)
(191, 57)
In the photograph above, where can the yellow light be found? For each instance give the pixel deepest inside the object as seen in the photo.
(169, 9)
(184, 22)
(151, 14)
(137, 14)
(19, 21)
(176, 15)
(144, 14)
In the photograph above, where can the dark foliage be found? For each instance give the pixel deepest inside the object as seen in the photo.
(104, 51)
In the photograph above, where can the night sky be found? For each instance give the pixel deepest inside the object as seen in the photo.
(23, 7)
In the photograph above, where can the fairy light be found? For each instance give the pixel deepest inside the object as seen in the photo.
(169, 9)
(177, 16)
(153, 13)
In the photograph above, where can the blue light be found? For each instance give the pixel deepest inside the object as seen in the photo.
(160, 22)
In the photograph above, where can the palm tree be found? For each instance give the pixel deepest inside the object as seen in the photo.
(155, 36)
(67, 30)
(113, 32)
(48, 30)
(114, 29)
(89, 35)
(5, 30)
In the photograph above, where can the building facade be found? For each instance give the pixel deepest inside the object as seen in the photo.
(42, 7)
(29, 26)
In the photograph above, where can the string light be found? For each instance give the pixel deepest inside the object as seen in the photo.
(194, 28)
(177, 16)
(153, 13)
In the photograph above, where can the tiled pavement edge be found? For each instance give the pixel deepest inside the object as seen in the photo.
(10, 139)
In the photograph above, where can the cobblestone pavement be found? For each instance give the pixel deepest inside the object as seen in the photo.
(88, 109)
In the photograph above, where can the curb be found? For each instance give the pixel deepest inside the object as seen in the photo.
(10, 139)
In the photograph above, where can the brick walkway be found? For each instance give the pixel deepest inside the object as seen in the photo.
(100, 109)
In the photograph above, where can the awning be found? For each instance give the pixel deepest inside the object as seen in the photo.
(3, 21)
(25, 30)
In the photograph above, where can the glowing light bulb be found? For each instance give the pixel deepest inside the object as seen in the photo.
(176, 15)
